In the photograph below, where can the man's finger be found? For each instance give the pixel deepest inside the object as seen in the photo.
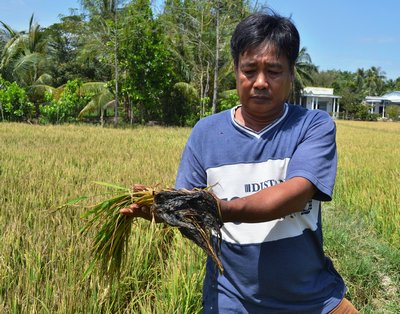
(131, 210)
(139, 187)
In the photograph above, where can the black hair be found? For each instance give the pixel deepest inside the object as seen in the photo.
(266, 28)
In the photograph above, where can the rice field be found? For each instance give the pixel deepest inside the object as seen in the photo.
(43, 257)
(369, 174)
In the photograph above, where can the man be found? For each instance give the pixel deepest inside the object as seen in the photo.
(270, 164)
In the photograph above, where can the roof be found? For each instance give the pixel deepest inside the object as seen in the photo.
(392, 97)
(319, 92)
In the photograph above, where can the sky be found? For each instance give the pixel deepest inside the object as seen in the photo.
(338, 34)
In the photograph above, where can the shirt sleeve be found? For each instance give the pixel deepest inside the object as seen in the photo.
(191, 173)
(315, 158)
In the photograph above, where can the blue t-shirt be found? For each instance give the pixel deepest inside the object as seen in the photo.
(277, 266)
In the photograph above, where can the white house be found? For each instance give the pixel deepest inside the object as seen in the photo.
(378, 103)
(320, 98)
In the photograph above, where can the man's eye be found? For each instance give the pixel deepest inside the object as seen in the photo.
(248, 72)
(274, 73)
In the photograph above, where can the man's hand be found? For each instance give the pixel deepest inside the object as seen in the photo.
(136, 210)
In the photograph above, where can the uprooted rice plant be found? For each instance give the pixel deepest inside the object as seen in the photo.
(43, 255)
(195, 213)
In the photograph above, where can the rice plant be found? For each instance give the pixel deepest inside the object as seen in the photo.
(196, 213)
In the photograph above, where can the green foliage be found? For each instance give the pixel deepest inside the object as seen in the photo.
(303, 73)
(184, 107)
(14, 103)
(75, 52)
(229, 99)
(372, 284)
(147, 63)
(362, 113)
(392, 85)
(191, 38)
(354, 87)
(146, 55)
(26, 56)
(65, 109)
(393, 112)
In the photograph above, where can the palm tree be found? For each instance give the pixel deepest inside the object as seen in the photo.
(104, 24)
(26, 56)
(303, 70)
(101, 100)
(374, 81)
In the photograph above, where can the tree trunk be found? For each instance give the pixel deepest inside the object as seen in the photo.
(102, 116)
(116, 67)
(2, 113)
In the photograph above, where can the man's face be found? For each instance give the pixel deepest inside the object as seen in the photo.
(263, 81)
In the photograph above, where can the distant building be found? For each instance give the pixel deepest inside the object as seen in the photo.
(378, 103)
(320, 98)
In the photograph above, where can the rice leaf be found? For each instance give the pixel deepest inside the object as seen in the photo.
(112, 186)
(76, 201)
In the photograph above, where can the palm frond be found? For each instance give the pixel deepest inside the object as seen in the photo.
(45, 78)
(11, 32)
(38, 90)
(101, 101)
(93, 87)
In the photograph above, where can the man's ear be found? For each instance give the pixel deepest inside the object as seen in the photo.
(292, 72)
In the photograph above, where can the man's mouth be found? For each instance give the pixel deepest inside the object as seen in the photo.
(260, 97)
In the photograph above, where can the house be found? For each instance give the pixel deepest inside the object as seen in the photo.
(320, 98)
(378, 103)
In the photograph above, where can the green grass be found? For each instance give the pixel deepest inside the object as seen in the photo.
(43, 256)
(369, 265)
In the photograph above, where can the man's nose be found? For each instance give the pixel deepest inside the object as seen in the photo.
(261, 81)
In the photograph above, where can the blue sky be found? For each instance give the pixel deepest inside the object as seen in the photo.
(339, 34)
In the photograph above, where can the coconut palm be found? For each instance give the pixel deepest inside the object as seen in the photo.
(101, 100)
(374, 81)
(303, 70)
(104, 24)
(26, 56)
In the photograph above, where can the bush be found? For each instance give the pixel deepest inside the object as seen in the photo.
(229, 100)
(67, 108)
(14, 103)
(362, 113)
(393, 112)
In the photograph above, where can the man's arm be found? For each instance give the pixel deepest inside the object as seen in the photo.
(271, 203)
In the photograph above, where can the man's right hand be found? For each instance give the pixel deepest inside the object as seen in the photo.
(136, 210)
